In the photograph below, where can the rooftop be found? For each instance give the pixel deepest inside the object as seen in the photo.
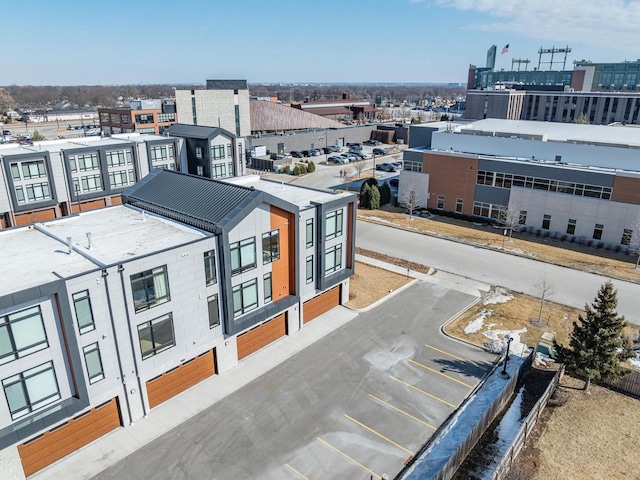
(37, 254)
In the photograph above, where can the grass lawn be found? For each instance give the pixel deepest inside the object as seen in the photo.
(369, 284)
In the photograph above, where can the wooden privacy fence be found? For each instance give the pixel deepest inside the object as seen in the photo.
(629, 385)
(525, 430)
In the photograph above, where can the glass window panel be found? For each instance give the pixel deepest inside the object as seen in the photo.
(41, 386)
(214, 314)
(6, 347)
(29, 332)
(16, 397)
(94, 363)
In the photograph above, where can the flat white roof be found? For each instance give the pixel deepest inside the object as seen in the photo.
(299, 196)
(562, 132)
(38, 254)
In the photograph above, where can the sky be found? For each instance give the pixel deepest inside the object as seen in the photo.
(92, 42)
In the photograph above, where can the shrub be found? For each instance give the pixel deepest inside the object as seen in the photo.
(311, 167)
(589, 242)
(617, 248)
(296, 170)
(375, 198)
(599, 245)
(563, 238)
(365, 196)
(303, 169)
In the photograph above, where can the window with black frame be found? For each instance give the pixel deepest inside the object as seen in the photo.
(270, 246)
(150, 288)
(243, 255)
(156, 336)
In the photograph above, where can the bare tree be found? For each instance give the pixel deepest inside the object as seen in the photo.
(510, 217)
(409, 198)
(633, 240)
(545, 289)
(359, 167)
(347, 177)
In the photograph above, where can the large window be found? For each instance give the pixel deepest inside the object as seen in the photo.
(33, 170)
(150, 288)
(309, 232)
(117, 158)
(310, 269)
(156, 336)
(459, 203)
(243, 255)
(440, 204)
(37, 191)
(268, 287)
(121, 178)
(245, 297)
(333, 259)
(597, 231)
(21, 333)
(218, 170)
(92, 359)
(84, 314)
(571, 226)
(546, 222)
(627, 234)
(333, 224)
(270, 246)
(31, 390)
(217, 152)
(214, 313)
(210, 267)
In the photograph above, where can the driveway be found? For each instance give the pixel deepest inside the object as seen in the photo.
(355, 404)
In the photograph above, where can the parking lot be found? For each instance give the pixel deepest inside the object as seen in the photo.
(358, 403)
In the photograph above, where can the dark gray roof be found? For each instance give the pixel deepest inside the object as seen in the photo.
(226, 84)
(201, 202)
(184, 130)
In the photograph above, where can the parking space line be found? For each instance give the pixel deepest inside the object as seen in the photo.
(402, 412)
(295, 471)
(379, 434)
(349, 458)
(422, 391)
(446, 353)
(440, 373)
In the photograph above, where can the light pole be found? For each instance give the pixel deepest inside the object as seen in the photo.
(503, 373)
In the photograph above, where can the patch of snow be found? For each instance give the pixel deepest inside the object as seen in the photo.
(498, 342)
(377, 219)
(635, 361)
(475, 325)
(498, 295)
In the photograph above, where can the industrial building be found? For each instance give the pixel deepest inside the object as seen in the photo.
(574, 182)
(111, 312)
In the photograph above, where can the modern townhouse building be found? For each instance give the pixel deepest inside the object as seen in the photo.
(56, 178)
(576, 181)
(111, 312)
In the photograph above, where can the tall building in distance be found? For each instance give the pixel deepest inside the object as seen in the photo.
(223, 104)
(603, 93)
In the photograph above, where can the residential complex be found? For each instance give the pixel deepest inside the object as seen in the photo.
(223, 104)
(57, 178)
(579, 182)
(142, 116)
(111, 312)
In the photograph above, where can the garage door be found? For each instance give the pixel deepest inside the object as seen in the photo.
(262, 335)
(69, 437)
(186, 375)
(320, 304)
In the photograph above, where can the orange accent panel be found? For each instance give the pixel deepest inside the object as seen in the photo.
(321, 304)
(90, 205)
(186, 375)
(350, 242)
(283, 269)
(39, 216)
(63, 440)
(261, 336)
(116, 200)
(453, 176)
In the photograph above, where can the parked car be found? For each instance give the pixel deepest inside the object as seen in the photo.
(327, 150)
(386, 167)
(6, 132)
(394, 182)
(398, 165)
(336, 148)
(371, 143)
(296, 154)
(359, 155)
(379, 151)
(354, 146)
(314, 152)
(336, 159)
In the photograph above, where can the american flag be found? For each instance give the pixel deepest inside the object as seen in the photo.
(505, 49)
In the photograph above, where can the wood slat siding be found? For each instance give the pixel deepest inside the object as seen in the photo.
(65, 439)
(175, 381)
(321, 304)
(283, 269)
(30, 217)
(261, 336)
(91, 205)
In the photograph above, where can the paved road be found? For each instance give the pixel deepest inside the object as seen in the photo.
(358, 402)
(571, 287)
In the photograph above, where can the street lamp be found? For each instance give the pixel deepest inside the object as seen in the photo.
(503, 373)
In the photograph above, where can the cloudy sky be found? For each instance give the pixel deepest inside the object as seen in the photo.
(121, 41)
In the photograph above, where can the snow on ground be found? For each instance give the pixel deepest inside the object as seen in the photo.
(635, 361)
(477, 323)
(498, 343)
(497, 295)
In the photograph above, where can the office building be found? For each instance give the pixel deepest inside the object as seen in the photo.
(141, 116)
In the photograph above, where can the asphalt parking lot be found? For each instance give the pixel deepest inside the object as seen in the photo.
(358, 403)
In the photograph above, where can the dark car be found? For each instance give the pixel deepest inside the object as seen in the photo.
(371, 143)
(327, 150)
(386, 167)
(394, 182)
(296, 154)
(354, 146)
(306, 153)
(379, 151)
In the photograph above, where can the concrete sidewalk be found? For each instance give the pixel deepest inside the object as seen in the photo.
(115, 446)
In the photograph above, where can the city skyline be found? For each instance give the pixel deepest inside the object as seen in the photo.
(362, 41)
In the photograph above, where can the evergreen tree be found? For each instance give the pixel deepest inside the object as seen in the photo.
(311, 167)
(596, 349)
(385, 193)
(37, 136)
(374, 203)
(365, 196)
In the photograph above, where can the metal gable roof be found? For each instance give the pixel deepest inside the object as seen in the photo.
(197, 131)
(201, 202)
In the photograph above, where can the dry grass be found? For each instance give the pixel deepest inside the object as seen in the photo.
(552, 251)
(516, 314)
(369, 284)
(589, 436)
